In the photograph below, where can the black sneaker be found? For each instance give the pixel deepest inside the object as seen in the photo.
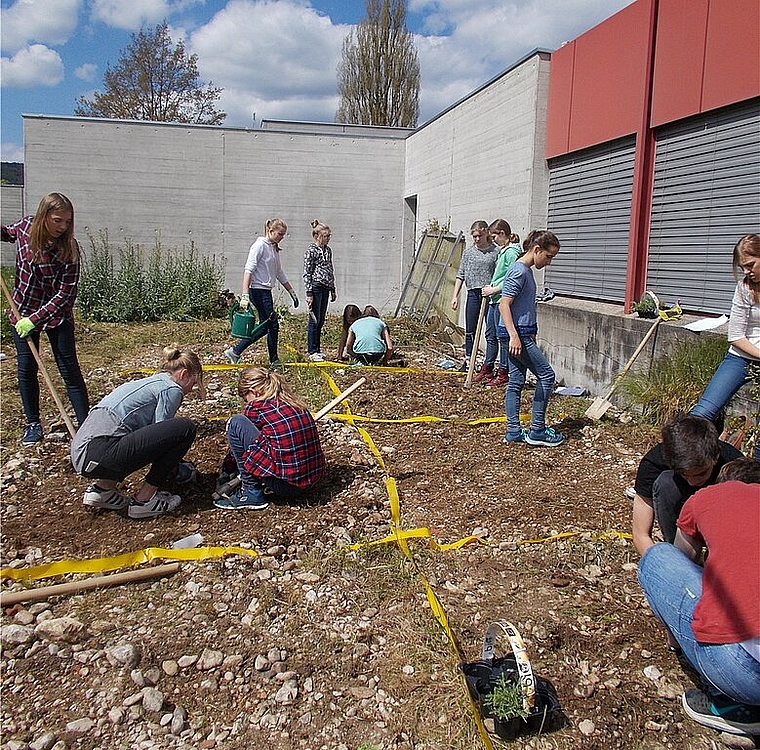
(32, 434)
(727, 716)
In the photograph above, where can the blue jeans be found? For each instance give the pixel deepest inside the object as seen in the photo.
(63, 344)
(320, 295)
(241, 434)
(500, 339)
(531, 358)
(672, 584)
(471, 315)
(731, 375)
(262, 300)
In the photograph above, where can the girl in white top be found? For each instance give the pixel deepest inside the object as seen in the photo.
(262, 270)
(743, 358)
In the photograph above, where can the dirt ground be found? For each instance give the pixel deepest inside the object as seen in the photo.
(353, 628)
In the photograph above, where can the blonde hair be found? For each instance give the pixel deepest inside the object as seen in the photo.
(65, 246)
(748, 245)
(266, 384)
(175, 359)
(317, 227)
(273, 224)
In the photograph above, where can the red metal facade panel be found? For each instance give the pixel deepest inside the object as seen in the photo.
(608, 82)
(596, 86)
(560, 100)
(732, 53)
(679, 59)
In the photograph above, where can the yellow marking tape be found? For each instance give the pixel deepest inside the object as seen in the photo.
(126, 560)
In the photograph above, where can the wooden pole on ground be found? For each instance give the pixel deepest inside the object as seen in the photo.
(9, 598)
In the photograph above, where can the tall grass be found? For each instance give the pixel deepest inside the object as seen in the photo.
(163, 284)
(675, 381)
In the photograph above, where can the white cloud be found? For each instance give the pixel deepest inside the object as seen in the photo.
(44, 21)
(11, 152)
(86, 72)
(275, 58)
(36, 65)
(133, 14)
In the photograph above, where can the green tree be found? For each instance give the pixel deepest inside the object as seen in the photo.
(379, 74)
(154, 80)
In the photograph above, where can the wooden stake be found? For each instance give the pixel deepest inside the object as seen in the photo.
(8, 599)
(475, 343)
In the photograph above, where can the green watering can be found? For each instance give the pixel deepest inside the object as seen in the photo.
(243, 323)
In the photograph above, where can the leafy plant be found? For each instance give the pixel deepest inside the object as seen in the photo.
(675, 381)
(506, 700)
(165, 285)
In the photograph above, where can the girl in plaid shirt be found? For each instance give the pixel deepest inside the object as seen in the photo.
(274, 443)
(47, 277)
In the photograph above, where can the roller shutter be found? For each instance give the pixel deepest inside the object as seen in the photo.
(706, 194)
(590, 212)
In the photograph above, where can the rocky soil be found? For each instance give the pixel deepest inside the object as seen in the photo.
(328, 635)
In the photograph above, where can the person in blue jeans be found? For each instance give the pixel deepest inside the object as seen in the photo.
(742, 362)
(274, 444)
(475, 272)
(713, 610)
(518, 314)
(509, 251)
(262, 270)
(319, 286)
(45, 289)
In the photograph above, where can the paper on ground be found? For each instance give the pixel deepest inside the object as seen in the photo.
(705, 324)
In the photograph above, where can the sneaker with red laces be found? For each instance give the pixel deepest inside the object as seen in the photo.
(484, 373)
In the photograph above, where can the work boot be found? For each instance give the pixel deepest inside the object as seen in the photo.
(484, 373)
(500, 378)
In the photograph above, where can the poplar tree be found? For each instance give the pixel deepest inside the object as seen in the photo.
(154, 80)
(379, 74)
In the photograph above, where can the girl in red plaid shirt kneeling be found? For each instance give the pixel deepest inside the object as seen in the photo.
(274, 443)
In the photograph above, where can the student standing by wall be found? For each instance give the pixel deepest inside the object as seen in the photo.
(518, 313)
(319, 286)
(262, 270)
(47, 281)
(475, 272)
(509, 252)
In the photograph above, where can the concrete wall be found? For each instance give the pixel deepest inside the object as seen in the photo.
(588, 343)
(11, 209)
(483, 158)
(216, 187)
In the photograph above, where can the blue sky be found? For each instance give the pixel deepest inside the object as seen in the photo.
(274, 58)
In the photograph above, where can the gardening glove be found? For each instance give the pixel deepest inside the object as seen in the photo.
(295, 298)
(24, 327)
(245, 303)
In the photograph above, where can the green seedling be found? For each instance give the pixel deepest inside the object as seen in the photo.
(506, 700)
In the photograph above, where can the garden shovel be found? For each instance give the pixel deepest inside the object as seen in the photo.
(600, 405)
(476, 341)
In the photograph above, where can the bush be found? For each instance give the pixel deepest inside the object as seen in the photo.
(167, 285)
(675, 381)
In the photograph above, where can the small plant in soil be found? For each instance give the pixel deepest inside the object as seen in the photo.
(506, 700)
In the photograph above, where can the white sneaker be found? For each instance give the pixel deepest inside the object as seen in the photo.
(232, 358)
(160, 504)
(630, 493)
(95, 497)
(317, 357)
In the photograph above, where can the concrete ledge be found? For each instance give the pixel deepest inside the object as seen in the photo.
(588, 343)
